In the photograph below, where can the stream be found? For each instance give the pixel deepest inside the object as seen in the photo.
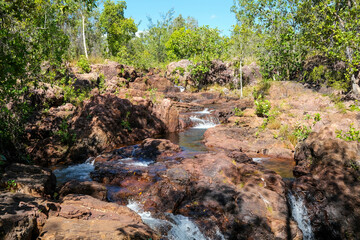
(178, 227)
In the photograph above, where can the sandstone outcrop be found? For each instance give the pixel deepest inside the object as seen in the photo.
(328, 179)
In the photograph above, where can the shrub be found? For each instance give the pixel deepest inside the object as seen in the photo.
(301, 132)
(66, 136)
(84, 64)
(199, 72)
(262, 107)
(351, 135)
(238, 112)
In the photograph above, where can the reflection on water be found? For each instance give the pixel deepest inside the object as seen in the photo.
(191, 141)
(283, 167)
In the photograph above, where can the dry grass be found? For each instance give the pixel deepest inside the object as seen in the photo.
(275, 124)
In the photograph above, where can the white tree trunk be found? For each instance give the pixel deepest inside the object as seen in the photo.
(241, 80)
(83, 28)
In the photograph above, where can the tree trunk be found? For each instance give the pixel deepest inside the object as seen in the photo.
(241, 80)
(83, 28)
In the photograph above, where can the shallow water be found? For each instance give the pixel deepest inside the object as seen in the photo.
(283, 167)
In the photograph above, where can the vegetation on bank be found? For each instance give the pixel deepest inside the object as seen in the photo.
(316, 42)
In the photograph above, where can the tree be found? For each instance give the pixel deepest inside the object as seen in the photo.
(118, 29)
(31, 32)
(332, 28)
(202, 43)
(279, 50)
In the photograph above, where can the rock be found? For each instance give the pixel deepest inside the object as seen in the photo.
(100, 124)
(329, 182)
(167, 112)
(84, 217)
(236, 196)
(44, 141)
(86, 81)
(251, 74)
(23, 216)
(107, 121)
(178, 72)
(243, 139)
(220, 73)
(93, 189)
(29, 179)
(46, 93)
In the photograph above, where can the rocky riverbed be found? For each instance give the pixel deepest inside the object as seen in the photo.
(171, 164)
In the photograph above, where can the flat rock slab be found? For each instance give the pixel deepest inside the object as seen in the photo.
(84, 217)
(22, 216)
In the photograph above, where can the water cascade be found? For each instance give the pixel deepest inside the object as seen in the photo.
(300, 215)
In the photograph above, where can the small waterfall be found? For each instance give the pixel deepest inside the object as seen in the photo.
(205, 111)
(177, 228)
(300, 215)
(204, 119)
(80, 172)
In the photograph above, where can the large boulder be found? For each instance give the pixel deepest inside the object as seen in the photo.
(84, 217)
(168, 113)
(101, 123)
(29, 179)
(328, 180)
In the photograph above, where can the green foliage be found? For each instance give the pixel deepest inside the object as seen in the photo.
(351, 135)
(238, 112)
(301, 132)
(11, 185)
(262, 107)
(65, 134)
(152, 94)
(125, 123)
(197, 44)
(84, 64)
(199, 72)
(355, 107)
(119, 30)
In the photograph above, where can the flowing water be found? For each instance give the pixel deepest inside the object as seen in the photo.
(80, 172)
(178, 227)
(300, 215)
(175, 227)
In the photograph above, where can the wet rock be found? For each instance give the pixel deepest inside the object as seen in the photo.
(93, 189)
(23, 216)
(84, 217)
(29, 179)
(328, 180)
(242, 200)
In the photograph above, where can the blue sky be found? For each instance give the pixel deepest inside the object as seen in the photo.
(215, 13)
